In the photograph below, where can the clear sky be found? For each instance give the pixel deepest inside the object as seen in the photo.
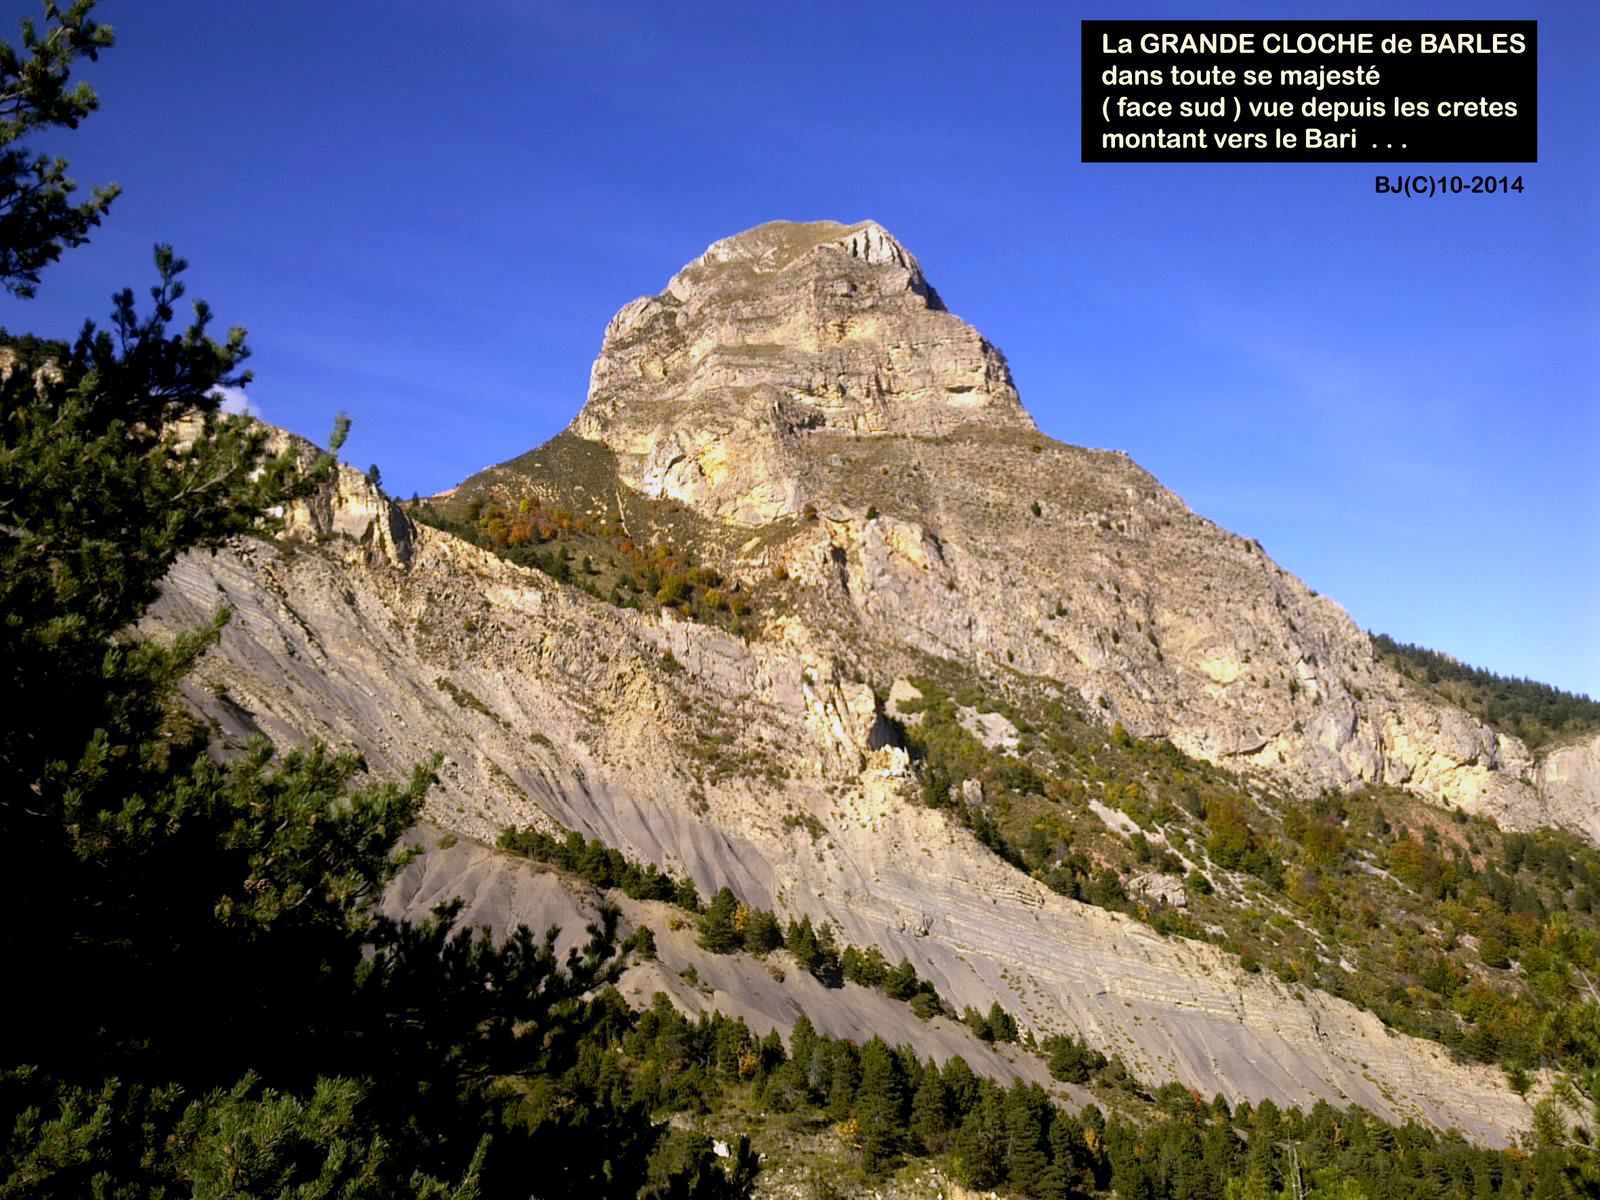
(425, 213)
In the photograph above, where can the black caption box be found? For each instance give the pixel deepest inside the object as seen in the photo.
(1310, 91)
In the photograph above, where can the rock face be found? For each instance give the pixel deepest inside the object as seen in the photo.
(812, 367)
(551, 705)
(710, 391)
(1569, 783)
(351, 509)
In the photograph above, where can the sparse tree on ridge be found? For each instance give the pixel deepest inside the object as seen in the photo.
(37, 216)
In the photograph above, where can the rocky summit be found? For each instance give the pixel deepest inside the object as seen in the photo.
(813, 365)
(803, 604)
(715, 391)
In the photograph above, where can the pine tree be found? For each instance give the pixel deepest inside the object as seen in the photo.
(850, 965)
(827, 968)
(1265, 1133)
(1026, 1159)
(1564, 1122)
(911, 1069)
(901, 983)
(1054, 1184)
(37, 218)
(685, 896)
(1255, 1185)
(1221, 1149)
(1070, 1175)
(962, 1087)
(802, 1039)
(980, 1143)
(1072, 1060)
(718, 933)
(1134, 1179)
(1183, 1164)
(930, 1120)
(871, 970)
(1002, 1025)
(732, 1043)
(843, 1079)
(1328, 1183)
(879, 1106)
(801, 941)
(978, 1023)
(214, 1005)
(763, 934)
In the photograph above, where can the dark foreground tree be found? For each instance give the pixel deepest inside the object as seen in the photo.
(1567, 1121)
(37, 217)
(201, 998)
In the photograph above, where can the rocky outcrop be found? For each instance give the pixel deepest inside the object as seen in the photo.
(348, 508)
(43, 375)
(345, 508)
(803, 388)
(711, 391)
(1569, 785)
(812, 369)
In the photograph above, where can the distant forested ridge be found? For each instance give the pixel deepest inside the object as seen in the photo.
(1535, 712)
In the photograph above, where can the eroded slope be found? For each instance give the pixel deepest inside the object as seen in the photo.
(684, 746)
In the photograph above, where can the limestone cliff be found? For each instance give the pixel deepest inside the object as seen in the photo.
(1569, 785)
(813, 365)
(710, 391)
(802, 390)
(552, 706)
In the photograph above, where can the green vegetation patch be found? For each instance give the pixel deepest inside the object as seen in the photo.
(1535, 712)
(646, 560)
(464, 698)
(1444, 926)
(845, 1118)
(726, 925)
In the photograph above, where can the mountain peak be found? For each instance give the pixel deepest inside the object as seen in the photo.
(779, 245)
(719, 390)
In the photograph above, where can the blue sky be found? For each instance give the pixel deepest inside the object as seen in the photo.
(426, 213)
